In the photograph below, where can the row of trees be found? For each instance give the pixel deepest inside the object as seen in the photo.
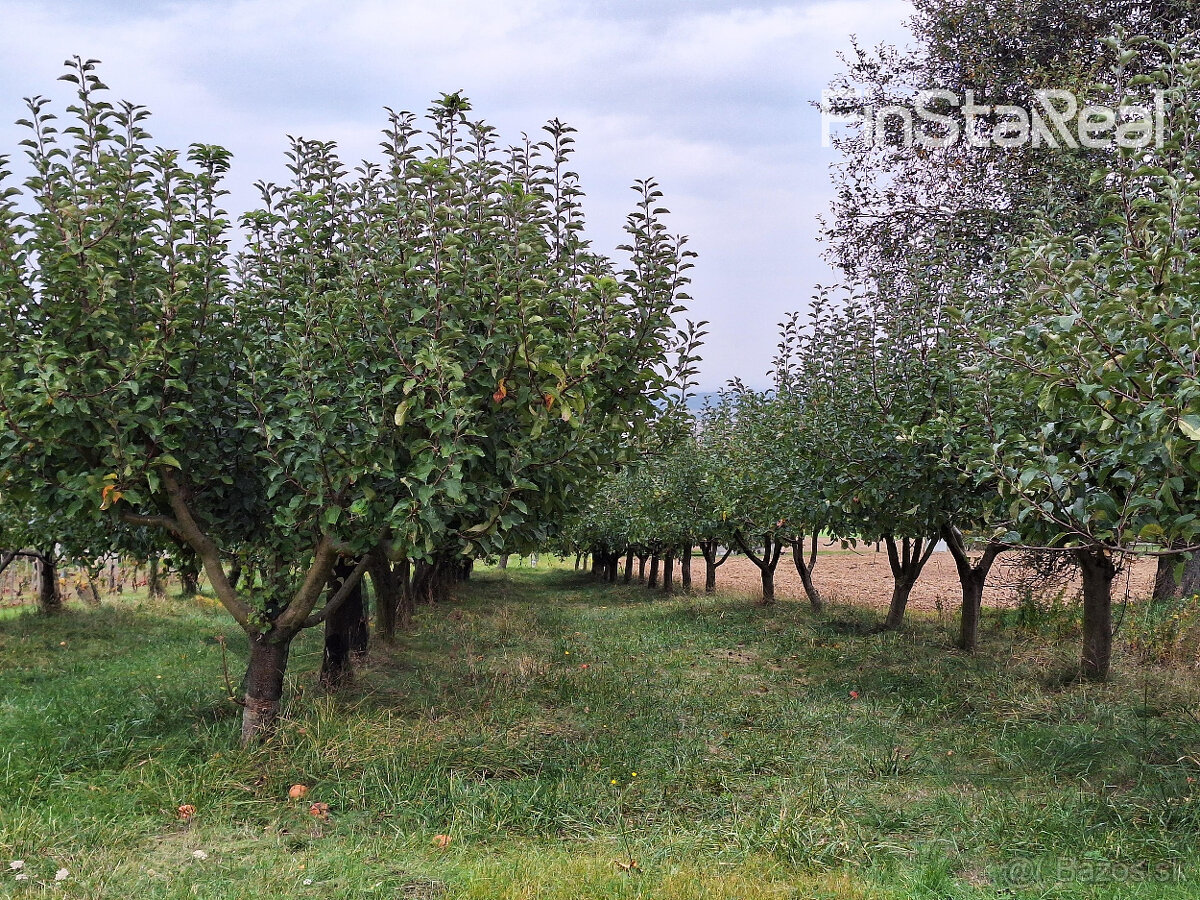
(393, 369)
(390, 369)
(1011, 361)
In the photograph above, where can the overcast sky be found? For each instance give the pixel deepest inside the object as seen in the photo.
(711, 98)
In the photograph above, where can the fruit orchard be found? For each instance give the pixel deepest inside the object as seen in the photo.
(389, 370)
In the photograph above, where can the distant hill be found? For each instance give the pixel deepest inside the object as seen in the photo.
(696, 401)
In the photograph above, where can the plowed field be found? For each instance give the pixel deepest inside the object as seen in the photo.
(864, 577)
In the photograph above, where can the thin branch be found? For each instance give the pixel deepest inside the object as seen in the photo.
(164, 522)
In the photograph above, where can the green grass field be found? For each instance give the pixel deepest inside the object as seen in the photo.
(777, 755)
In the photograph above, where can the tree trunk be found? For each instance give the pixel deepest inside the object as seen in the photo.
(971, 579)
(1166, 585)
(805, 569)
(652, 583)
(685, 569)
(438, 581)
(629, 567)
(1191, 576)
(711, 563)
(642, 557)
(264, 688)
(907, 560)
(189, 578)
(1098, 573)
(346, 632)
(422, 582)
(768, 585)
(402, 576)
(772, 547)
(49, 597)
(443, 578)
(972, 583)
(668, 579)
(901, 591)
(154, 582)
(387, 595)
(93, 593)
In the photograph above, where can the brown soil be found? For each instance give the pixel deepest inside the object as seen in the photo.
(863, 577)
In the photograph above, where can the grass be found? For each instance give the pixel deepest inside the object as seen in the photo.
(778, 755)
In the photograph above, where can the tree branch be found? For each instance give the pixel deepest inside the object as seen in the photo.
(343, 592)
(164, 522)
(744, 547)
(184, 527)
(294, 617)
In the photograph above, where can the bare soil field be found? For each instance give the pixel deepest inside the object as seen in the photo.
(863, 577)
